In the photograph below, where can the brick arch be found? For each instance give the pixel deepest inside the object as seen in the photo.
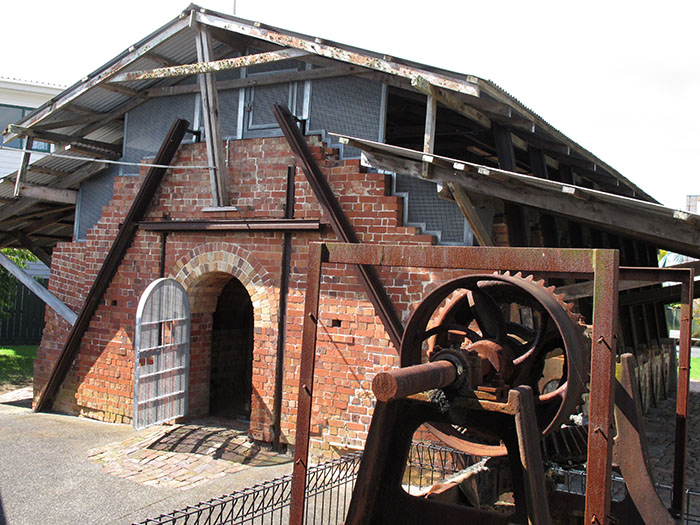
(205, 270)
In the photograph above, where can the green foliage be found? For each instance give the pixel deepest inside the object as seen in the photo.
(8, 283)
(17, 365)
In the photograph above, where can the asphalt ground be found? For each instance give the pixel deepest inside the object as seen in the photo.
(47, 477)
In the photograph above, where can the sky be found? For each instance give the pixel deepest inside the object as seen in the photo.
(620, 78)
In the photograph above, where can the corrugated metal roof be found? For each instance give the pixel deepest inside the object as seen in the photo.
(176, 41)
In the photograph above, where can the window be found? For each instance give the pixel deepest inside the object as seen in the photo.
(10, 115)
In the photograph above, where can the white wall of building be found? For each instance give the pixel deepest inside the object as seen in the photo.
(25, 94)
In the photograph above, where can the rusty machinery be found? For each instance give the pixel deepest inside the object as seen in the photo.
(492, 363)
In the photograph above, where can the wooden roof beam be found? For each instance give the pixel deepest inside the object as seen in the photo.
(450, 100)
(384, 64)
(209, 66)
(45, 193)
(60, 138)
(636, 219)
(115, 66)
(123, 90)
(32, 246)
(263, 80)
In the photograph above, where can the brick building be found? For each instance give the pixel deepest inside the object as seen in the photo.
(234, 202)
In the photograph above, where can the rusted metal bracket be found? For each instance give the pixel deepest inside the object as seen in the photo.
(123, 240)
(339, 222)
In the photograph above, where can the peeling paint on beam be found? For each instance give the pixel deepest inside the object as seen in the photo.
(318, 47)
(209, 67)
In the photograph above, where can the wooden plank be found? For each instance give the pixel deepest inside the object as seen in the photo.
(123, 90)
(71, 94)
(50, 299)
(450, 100)
(45, 193)
(429, 133)
(515, 218)
(23, 163)
(385, 64)
(627, 220)
(212, 128)
(547, 222)
(61, 138)
(467, 208)
(233, 225)
(33, 247)
(261, 80)
(209, 66)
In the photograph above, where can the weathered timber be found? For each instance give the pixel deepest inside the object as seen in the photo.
(50, 299)
(210, 66)
(467, 208)
(233, 225)
(123, 240)
(642, 220)
(384, 64)
(339, 222)
(33, 247)
(451, 101)
(270, 79)
(45, 193)
(515, 218)
(212, 127)
(60, 138)
(23, 163)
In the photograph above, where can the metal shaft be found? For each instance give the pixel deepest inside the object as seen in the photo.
(403, 382)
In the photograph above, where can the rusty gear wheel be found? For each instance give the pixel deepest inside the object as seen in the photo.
(525, 335)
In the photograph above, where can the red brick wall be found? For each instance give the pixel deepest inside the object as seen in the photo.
(352, 344)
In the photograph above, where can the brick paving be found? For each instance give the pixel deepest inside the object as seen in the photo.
(660, 424)
(184, 456)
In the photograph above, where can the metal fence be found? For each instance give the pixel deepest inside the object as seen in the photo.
(328, 491)
(330, 484)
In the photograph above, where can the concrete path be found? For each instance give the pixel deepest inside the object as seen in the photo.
(60, 469)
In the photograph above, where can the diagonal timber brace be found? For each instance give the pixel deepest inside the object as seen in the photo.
(339, 222)
(124, 238)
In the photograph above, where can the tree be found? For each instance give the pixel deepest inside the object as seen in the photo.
(8, 283)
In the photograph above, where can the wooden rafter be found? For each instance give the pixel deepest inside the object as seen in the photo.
(61, 138)
(50, 299)
(208, 66)
(264, 80)
(621, 215)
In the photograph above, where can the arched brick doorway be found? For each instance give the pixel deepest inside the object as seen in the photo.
(204, 272)
(230, 383)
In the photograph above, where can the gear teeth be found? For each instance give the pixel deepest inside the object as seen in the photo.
(528, 278)
(540, 283)
(551, 289)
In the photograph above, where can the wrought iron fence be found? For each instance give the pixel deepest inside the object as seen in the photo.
(328, 491)
(330, 484)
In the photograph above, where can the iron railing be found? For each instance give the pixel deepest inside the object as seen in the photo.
(330, 484)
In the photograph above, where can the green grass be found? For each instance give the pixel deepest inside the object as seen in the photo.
(17, 365)
(695, 368)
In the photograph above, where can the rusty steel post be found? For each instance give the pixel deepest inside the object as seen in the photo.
(306, 383)
(680, 450)
(603, 355)
(403, 382)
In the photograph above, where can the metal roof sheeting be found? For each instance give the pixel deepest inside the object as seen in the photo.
(176, 41)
